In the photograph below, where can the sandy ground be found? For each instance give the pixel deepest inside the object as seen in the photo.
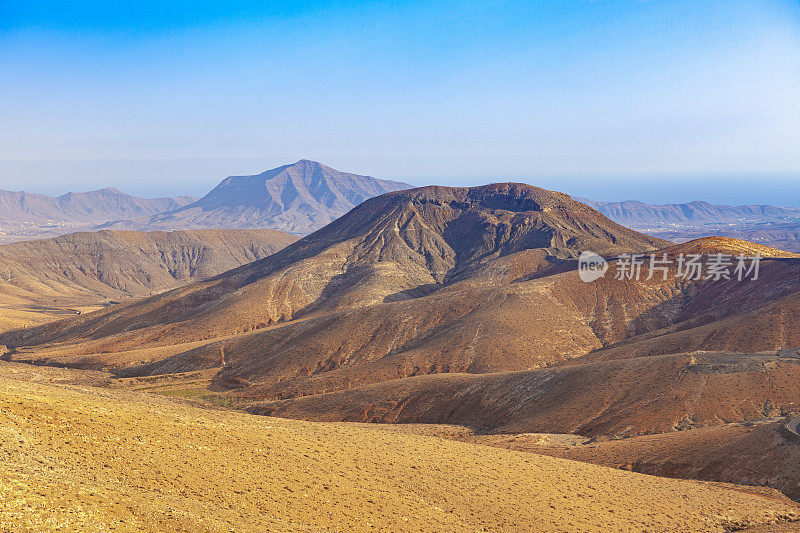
(75, 457)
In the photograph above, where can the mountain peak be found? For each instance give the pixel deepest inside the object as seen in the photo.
(401, 246)
(303, 166)
(309, 162)
(298, 198)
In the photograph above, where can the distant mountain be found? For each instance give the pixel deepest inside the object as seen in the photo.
(299, 199)
(92, 207)
(24, 215)
(778, 227)
(93, 267)
(641, 215)
(781, 235)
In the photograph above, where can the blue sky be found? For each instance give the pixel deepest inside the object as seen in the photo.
(622, 99)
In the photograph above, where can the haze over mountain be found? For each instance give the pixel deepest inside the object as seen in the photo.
(298, 199)
(24, 215)
(640, 215)
(81, 207)
(778, 227)
(303, 197)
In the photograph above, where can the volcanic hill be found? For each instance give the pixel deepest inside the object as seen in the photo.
(451, 245)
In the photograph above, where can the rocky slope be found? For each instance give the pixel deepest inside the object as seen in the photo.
(621, 398)
(93, 267)
(750, 454)
(465, 282)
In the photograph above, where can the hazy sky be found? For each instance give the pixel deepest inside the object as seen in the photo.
(613, 99)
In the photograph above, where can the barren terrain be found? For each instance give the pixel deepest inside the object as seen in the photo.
(80, 272)
(78, 457)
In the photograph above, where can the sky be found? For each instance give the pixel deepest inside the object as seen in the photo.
(659, 100)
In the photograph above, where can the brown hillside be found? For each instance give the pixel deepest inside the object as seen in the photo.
(99, 460)
(727, 245)
(768, 327)
(397, 289)
(627, 397)
(470, 326)
(748, 454)
(466, 282)
(92, 267)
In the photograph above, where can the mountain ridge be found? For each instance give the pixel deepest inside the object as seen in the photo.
(475, 291)
(466, 244)
(634, 213)
(777, 227)
(84, 207)
(25, 215)
(94, 267)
